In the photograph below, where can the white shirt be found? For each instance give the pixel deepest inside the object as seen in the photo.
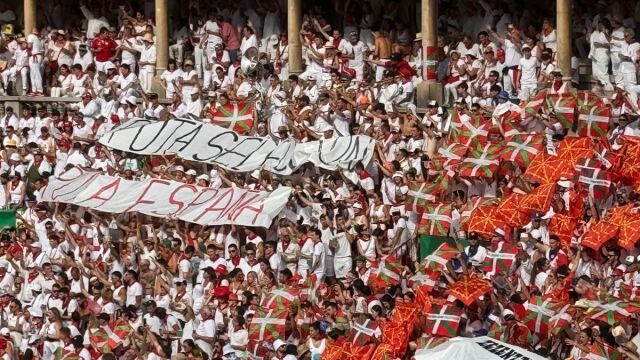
(132, 292)
(528, 68)
(357, 50)
(37, 47)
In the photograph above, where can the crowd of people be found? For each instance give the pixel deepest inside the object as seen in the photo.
(346, 260)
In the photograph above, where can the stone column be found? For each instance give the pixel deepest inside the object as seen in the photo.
(430, 88)
(162, 36)
(429, 39)
(29, 16)
(294, 23)
(563, 30)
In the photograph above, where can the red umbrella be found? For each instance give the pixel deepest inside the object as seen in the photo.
(469, 288)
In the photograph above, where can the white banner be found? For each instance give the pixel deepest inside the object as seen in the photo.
(165, 198)
(197, 141)
(479, 348)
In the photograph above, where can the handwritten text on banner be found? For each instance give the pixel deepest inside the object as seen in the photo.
(197, 141)
(165, 198)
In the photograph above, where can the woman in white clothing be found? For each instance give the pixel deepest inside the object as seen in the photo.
(249, 39)
(599, 54)
(167, 77)
(51, 333)
(316, 341)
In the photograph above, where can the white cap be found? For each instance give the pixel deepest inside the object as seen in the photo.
(357, 206)
(132, 100)
(36, 245)
(203, 177)
(191, 172)
(194, 92)
(397, 174)
(109, 66)
(179, 168)
(278, 343)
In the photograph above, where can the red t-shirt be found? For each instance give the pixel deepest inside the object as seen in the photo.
(105, 48)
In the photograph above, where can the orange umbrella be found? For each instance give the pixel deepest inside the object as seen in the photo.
(629, 233)
(469, 288)
(599, 234)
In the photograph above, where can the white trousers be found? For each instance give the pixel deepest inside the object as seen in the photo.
(35, 72)
(11, 74)
(147, 73)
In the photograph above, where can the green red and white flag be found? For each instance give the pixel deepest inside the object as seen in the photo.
(561, 319)
(425, 342)
(443, 320)
(596, 181)
(613, 312)
(436, 220)
(480, 163)
(448, 157)
(534, 105)
(594, 121)
(386, 272)
(258, 350)
(64, 354)
(107, 338)
(499, 261)
(281, 298)
(602, 351)
(310, 289)
(588, 99)
(564, 108)
(423, 193)
(237, 116)
(443, 254)
(469, 130)
(539, 313)
(268, 324)
(364, 332)
(428, 279)
(420, 195)
(521, 149)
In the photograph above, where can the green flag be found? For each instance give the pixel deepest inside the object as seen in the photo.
(7, 218)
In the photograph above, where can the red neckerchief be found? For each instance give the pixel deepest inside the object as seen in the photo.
(180, 295)
(252, 262)
(13, 187)
(364, 175)
(33, 274)
(557, 85)
(235, 260)
(183, 257)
